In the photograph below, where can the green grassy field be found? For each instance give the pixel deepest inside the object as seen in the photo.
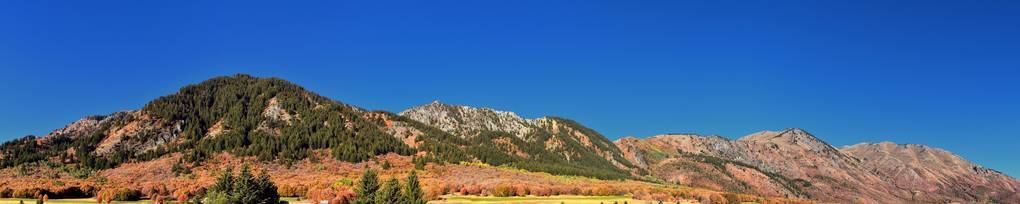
(541, 200)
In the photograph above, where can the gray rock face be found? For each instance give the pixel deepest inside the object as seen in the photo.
(465, 121)
(88, 125)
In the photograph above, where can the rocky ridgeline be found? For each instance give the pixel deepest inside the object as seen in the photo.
(799, 164)
(465, 121)
(935, 175)
(566, 138)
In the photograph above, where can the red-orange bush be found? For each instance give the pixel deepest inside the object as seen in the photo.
(540, 191)
(503, 190)
(520, 190)
(434, 191)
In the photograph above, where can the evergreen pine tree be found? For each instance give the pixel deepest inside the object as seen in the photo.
(367, 187)
(220, 191)
(244, 187)
(224, 182)
(267, 190)
(412, 191)
(389, 193)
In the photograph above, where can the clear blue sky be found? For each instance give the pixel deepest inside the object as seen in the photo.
(941, 73)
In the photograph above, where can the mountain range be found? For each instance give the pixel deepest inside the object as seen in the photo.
(275, 121)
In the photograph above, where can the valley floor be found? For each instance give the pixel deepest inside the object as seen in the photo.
(445, 200)
(330, 179)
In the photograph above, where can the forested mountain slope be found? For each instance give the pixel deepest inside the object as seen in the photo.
(275, 120)
(265, 117)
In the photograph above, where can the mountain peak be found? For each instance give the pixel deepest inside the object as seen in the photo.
(797, 133)
(788, 133)
(437, 103)
(789, 137)
(627, 139)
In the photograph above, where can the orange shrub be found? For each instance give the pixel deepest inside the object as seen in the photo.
(344, 197)
(464, 190)
(602, 191)
(317, 194)
(503, 190)
(520, 190)
(26, 192)
(475, 189)
(561, 190)
(718, 199)
(119, 194)
(540, 191)
(433, 192)
(292, 191)
(660, 197)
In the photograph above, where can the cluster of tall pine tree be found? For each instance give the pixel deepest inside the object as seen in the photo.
(369, 190)
(245, 188)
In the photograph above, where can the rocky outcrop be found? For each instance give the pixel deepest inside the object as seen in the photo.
(87, 126)
(632, 151)
(140, 134)
(466, 121)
